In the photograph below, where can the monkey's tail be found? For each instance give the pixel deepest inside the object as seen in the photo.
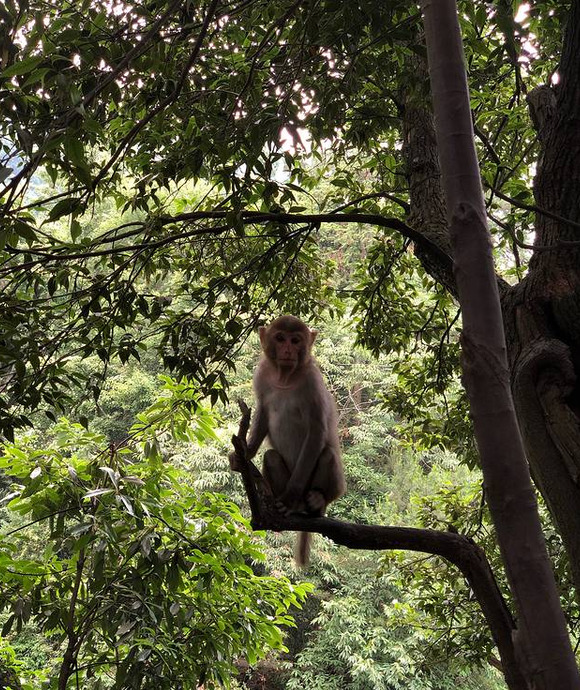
(302, 549)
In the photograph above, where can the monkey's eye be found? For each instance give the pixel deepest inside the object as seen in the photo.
(279, 337)
(295, 341)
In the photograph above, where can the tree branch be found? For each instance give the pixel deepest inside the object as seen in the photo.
(248, 217)
(73, 113)
(71, 652)
(458, 549)
(538, 210)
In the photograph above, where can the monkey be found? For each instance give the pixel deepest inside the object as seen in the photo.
(296, 411)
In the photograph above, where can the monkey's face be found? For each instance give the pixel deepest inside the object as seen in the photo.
(287, 343)
(289, 348)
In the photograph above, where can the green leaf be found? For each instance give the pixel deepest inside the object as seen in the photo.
(76, 95)
(75, 151)
(64, 207)
(22, 67)
(75, 229)
(25, 231)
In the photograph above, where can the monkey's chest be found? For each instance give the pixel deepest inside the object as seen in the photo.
(288, 420)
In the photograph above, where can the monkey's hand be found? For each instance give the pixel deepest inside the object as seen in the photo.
(315, 503)
(292, 499)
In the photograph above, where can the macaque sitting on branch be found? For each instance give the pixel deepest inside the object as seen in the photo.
(297, 413)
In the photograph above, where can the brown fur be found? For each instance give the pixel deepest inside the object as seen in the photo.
(297, 413)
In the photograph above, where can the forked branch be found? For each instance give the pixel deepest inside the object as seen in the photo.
(456, 548)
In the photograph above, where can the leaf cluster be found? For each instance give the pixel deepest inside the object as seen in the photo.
(144, 583)
(138, 105)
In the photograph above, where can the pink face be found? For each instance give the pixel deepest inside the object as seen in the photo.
(289, 348)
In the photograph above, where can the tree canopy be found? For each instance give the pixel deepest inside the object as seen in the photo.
(171, 173)
(132, 104)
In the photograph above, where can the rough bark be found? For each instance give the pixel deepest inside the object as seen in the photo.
(543, 383)
(542, 314)
(547, 658)
(424, 180)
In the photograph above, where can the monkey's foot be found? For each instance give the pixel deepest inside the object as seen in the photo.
(282, 508)
(286, 511)
(315, 503)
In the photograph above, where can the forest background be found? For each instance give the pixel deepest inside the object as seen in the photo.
(173, 175)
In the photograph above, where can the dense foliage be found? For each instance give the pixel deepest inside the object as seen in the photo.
(136, 579)
(135, 104)
(173, 173)
(165, 584)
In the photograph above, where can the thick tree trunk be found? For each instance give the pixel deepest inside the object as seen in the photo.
(541, 314)
(424, 180)
(542, 381)
(547, 658)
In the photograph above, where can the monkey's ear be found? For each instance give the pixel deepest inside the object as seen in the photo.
(262, 333)
(313, 334)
